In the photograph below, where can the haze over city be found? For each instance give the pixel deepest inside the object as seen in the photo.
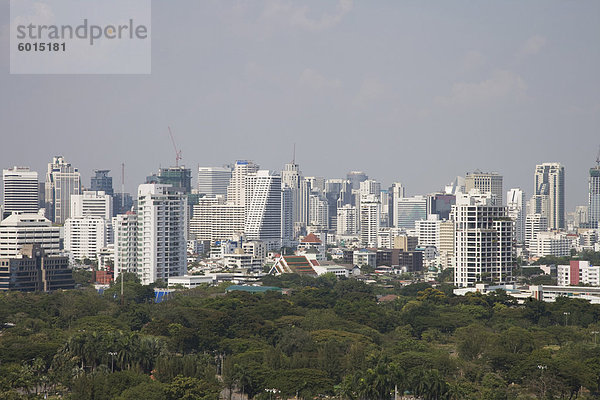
(410, 92)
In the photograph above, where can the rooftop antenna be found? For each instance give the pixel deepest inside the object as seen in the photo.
(598, 158)
(177, 152)
(294, 155)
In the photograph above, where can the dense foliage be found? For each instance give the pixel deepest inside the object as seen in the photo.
(327, 337)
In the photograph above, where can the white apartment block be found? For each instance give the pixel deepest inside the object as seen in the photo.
(21, 191)
(551, 244)
(446, 249)
(86, 236)
(370, 209)
(318, 211)
(534, 224)
(428, 231)
(159, 240)
(347, 221)
(216, 220)
(483, 248)
(20, 229)
(236, 191)
(92, 204)
(578, 272)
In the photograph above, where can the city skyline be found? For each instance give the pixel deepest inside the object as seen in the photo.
(435, 83)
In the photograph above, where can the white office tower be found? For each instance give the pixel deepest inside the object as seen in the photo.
(549, 185)
(318, 211)
(534, 224)
(347, 221)
(287, 220)
(385, 200)
(236, 191)
(62, 181)
(515, 202)
(485, 182)
(92, 204)
(428, 231)
(126, 243)
(213, 181)
(556, 244)
(397, 191)
(21, 191)
(263, 208)
(20, 229)
(483, 248)
(291, 177)
(409, 210)
(370, 209)
(162, 227)
(86, 236)
(594, 196)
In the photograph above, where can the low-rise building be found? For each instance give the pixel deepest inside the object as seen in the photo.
(577, 273)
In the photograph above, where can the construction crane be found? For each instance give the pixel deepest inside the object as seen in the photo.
(177, 152)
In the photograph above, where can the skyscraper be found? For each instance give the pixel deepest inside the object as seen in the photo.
(213, 181)
(370, 209)
(549, 186)
(485, 182)
(153, 245)
(236, 191)
(483, 248)
(291, 177)
(263, 208)
(62, 181)
(102, 182)
(21, 191)
(594, 195)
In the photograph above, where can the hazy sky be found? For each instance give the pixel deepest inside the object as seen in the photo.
(409, 91)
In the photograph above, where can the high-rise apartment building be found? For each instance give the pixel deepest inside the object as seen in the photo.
(483, 248)
(485, 182)
(318, 211)
(101, 182)
(370, 208)
(549, 186)
(213, 181)
(62, 181)
(515, 201)
(153, 245)
(263, 208)
(534, 224)
(21, 191)
(86, 236)
(428, 231)
(347, 221)
(236, 191)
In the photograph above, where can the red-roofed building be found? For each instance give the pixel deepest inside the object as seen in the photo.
(312, 247)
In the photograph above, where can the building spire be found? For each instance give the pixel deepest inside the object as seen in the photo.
(294, 155)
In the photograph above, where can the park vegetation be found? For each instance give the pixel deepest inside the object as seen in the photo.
(327, 337)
